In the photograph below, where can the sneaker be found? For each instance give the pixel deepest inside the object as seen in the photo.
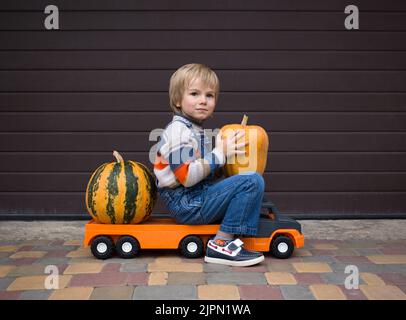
(231, 253)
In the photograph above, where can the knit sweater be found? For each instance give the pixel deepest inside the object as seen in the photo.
(181, 153)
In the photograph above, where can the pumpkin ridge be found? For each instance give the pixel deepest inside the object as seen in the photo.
(92, 189)
(151, 189)
(131, 192)
(112, 187)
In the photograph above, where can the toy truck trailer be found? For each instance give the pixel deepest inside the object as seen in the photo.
(277, 235)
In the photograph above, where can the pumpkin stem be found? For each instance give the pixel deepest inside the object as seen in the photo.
(244, 120)
(118, 156)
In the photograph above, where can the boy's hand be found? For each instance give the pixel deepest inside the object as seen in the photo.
(229, 145)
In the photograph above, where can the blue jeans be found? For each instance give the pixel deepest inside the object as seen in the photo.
(235, 202)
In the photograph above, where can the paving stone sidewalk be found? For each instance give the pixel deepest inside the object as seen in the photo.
(316, 271)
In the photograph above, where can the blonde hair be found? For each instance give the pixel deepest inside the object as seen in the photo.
(182, 78)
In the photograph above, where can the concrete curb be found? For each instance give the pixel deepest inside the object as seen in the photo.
(380, 230)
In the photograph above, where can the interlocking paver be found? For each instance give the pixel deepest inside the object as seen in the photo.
(211, 267)
(174, 266)
(23, 261)
(134, 267)
(73, 243)
(236, 278)
(383, 292)
(394, 249)
(320, 258)
(94, 267)
(259, 292)
(82, 293)
(325, 246)
(313, 267)
(36, 242)
(281, 267)
(98, 280)
(52, 261)
(394, 278)
(316, 271)
(111, 267)
(296, 293)
(388, 259)
(303, 253)
(184, 278)
(158, 278)
(5, 282)
(28, 254)
(218, 292)
(27, 270)
(5, 270)
(112, 293)
(280, 278)
(10, 295)
(372, 279)
(35, 295)
(80, 253)
(35, 283)
(8, 248)
(257, 268)
(327, 292)
(308, 278)
(178, 292)
(352, 259)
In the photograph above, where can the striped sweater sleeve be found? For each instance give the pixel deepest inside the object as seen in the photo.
(180, 151)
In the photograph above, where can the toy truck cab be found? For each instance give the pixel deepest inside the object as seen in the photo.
(277, 235)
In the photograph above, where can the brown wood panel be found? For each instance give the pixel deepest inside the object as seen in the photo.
(293, 5)
(148, 121)
(203, 20)
(229, 101)
(324, 204)
(202, 40)
(277, 161)
(132, 142)
(277, 181)
(216, 59)
(333, 100)
(231, 80)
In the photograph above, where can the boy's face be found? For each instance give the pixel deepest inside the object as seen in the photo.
(198, 101)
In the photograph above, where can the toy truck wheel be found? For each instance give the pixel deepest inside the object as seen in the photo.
(282, 247)
(102, 247)
(127, 247)
(192, 247)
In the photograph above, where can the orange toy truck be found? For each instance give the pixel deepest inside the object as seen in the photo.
(277, 235)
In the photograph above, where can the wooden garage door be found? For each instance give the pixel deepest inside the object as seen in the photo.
(332, 100)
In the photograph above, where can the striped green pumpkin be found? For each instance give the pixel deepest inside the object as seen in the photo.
(121, 192)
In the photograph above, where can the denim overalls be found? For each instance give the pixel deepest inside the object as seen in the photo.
(235, 202)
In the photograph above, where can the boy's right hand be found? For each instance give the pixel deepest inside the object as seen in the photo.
(230, 145)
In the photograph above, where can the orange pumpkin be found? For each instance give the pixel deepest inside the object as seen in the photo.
(256, 151)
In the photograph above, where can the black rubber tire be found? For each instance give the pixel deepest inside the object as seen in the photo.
(131, 247)
(100, 251)
(282, 241)
(192, 247)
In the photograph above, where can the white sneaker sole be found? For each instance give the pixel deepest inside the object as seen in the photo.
(234, 263)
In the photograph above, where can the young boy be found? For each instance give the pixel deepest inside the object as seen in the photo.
(185, 165)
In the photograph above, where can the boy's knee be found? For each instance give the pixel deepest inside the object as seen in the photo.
(256, 180)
